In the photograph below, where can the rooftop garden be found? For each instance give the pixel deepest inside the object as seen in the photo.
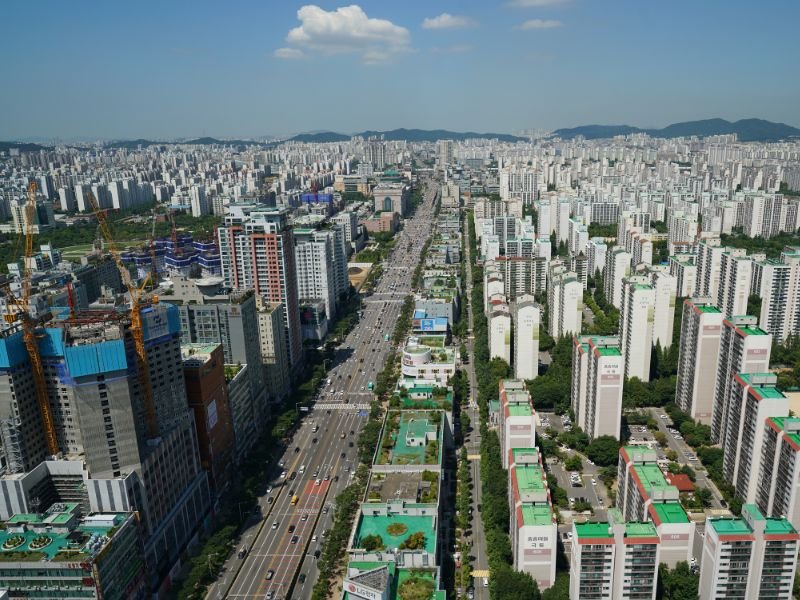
(410, 438)
(231, 371)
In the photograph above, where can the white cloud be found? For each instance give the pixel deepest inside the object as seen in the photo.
(536, 3)
(456, 49)
(348, 30)
(539, 24)
(448, 21)
(288, 53)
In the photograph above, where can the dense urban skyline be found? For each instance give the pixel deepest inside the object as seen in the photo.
(98, 71)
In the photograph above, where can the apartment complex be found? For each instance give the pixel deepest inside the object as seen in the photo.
(778, 490)
(527, 319)
(636, 326)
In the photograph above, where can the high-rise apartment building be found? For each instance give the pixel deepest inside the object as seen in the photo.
(777, 283)
(778, 489)
(709, 264)
(527, 319)
(698, 356)
(596, 391)
(614, 560)
(736, 270)
(257, 252)
(684, 268)
(533, 527)
(618, 267)
(753, 398)
(743, 348)
(499, 318)
(636, 326)
(321, 261)
(274, 355)
(564, 303)
(102, 425)
(596, 253)
(645, 495)
(752, 557)
(665, 288)
(207, 394)
(517, 419)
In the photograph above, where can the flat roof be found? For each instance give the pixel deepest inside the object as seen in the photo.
(752, 330)
(519, 410)
(539, 513)
(378, 524)
(647, 529)
(730, 526)
(670, 512)
(651, 476)
(706, 308)
(608, 351)
(593, 530)
(530, 478)
(781, 422)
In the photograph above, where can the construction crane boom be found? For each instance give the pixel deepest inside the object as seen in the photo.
(137, 330)
(29, 336)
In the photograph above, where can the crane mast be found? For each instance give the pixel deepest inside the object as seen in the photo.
(137, 330)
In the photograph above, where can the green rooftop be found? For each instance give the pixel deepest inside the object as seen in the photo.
(651, 477)
(729, 526)
(397, 576)
(783, 422)
(762, 390)
(648, 453)
(608, 350)
(593, 530)
(519, 410)
(537, 514)
(530, 478)
(749, 330)
(707, 308)
(378, 524)
(640, 529)
(670, 512)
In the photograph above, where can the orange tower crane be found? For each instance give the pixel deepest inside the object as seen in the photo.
(29, 335)
(137, 302)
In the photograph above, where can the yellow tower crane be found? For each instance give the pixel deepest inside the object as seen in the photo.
(29, 335)
(138, 301)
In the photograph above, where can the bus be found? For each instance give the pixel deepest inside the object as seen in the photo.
(294, 500)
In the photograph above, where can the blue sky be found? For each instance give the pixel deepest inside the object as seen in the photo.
(250, 68)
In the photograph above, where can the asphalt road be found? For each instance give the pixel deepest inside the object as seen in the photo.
(472, 440)
(340, 408)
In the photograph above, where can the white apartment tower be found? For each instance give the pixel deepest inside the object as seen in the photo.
(736, 270)
(709, 264)
(778, 285)
(565, 303)
(596, 392)
(701, 327)
(527, 318)
(636, 326)
(618, 266)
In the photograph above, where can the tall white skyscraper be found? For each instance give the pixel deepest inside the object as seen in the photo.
(636, 326)
(527, 318)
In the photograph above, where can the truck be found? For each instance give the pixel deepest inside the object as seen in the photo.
(294, 500)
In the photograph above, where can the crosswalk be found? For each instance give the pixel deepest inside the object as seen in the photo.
(340, 406)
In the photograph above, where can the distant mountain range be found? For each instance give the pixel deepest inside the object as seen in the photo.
(410, 135)
(747, 130)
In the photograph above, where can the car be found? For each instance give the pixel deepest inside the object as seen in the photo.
(315, 475)
(314, 441)
(302, 578)
(317, 553)
(324, 533)
(327, 477)
(291, 528)
(486, 582)
(336, 478)
(270, 595)
(294, 539)
(350, 444)
(663, 417)
(297, 449)
(304, 517)
(269, 489)
(242, 552)
(270, 575)
(283, 475)
(293, 476)
(275, 525)
(342, 455)
(590, 462)
(317, 482)
(270, 500)
(594, 481)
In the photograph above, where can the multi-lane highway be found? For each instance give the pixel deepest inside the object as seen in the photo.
(281, 548)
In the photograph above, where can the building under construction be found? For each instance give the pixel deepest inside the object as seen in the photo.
(119, 448)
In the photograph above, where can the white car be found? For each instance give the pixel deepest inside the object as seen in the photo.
(283, 475)
(594, 481)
